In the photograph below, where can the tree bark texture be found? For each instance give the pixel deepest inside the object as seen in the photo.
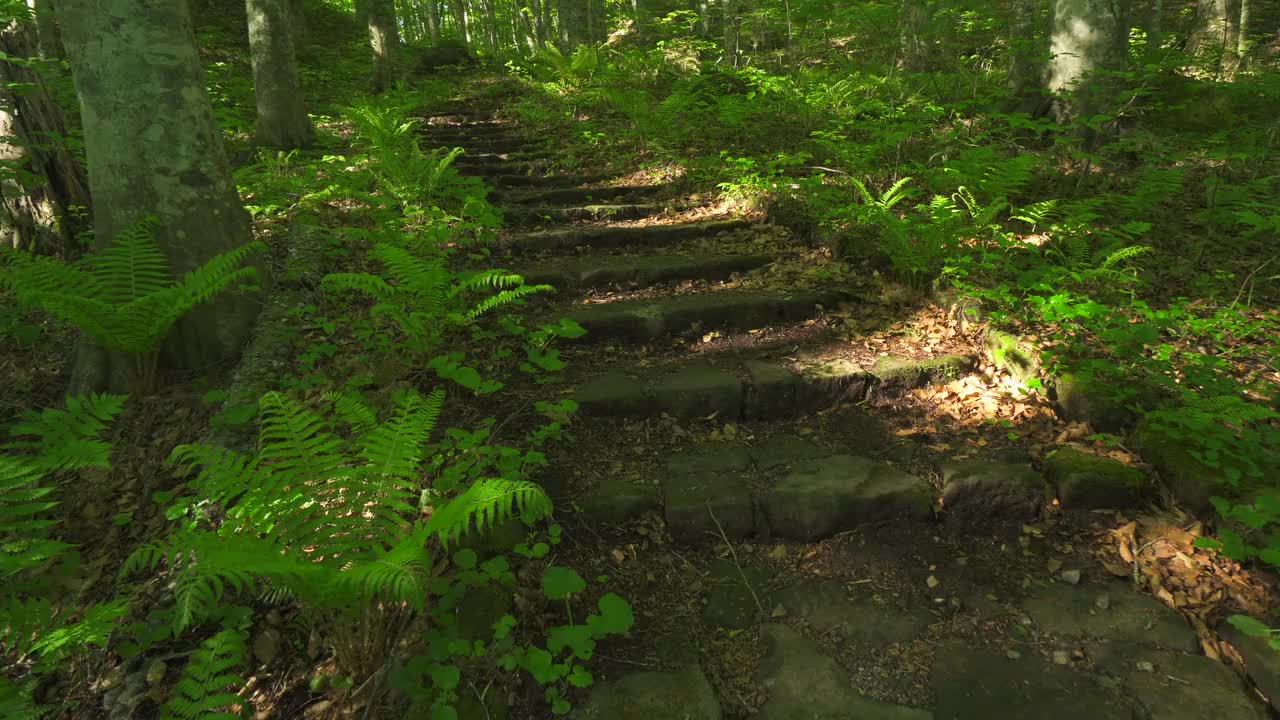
(1089, 37)
(433, 21)
(1213, 28)
(154, 149)
(282, 115)
(43, 186)
(384, 40)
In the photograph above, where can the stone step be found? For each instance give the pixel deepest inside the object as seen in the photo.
(495, 146)
(491, 168)
(744, 492)
(645, 320)
(584, 196)
(605, 269)
(472, 131)
(757, 389)
(524, 215)
(544, 181)
(602, 237)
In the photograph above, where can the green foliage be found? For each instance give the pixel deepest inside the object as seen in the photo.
(203, 691)
(124, 296)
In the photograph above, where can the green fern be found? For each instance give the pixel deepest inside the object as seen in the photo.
(485, 504)
(203, 692)
(123, 296)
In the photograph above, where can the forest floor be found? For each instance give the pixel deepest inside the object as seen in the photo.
(822, 497)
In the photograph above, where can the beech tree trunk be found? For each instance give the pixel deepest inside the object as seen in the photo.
(48, 34)
(154, 149)
(731, 32)
(282, 116)
(1089, 37)
(1213, 28)
(43, 188)
(433, 21)
(913, 44)
(384, 40)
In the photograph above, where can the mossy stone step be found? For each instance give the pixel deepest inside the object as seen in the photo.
(603, 237)
(581, 195)
(476, 131)
(643, 320)
(733, 390)
(490, 168)
(544, 181)
(596, 213)
(602, 270)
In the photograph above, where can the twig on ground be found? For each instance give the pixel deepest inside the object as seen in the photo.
(733, 554)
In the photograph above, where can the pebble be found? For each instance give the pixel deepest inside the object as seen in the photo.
(1012, 654)
(1061, 657)
(1070, 576)
(1103, 602)
(1145, 666)
(156, 672)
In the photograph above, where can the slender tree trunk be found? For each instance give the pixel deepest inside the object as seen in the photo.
(1024, 82)
(1089, 37)
(703, 8)
(490, 24)
(548, 22)
(42, 185)
(154, 149)
(460, 10)
(914, 51)
(47, 31)
(282, 116)
(731, 32)
(1212, 31)
(1242, 33)
(384, 40)
(433, 21)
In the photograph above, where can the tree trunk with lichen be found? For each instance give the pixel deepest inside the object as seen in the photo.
(1090, 38)
(154, 149)
(282, 117)
(43, 187)
(384, 39)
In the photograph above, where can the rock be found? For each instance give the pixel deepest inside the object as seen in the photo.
(1131, 618)
(1081, 399)
(894, 376)
(827, 382)
(1190, 480)
(616, 500)
(977, 493)
(1012, 354)
(827, 606)
(841, 492)
(1071, 577)
(781, 451)
(804, 684)
(772, 391)
(706, 481)
(683, 694)
(699, 391)
(1262, 662)
(266, 646)
(1085, 481)
(156, 672)
(730, 602)
(613, 393)
(977, 683)
(1188, 687)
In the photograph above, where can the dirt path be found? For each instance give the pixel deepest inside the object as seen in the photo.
(742, 474)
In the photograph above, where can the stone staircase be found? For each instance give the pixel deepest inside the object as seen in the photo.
(675, 338)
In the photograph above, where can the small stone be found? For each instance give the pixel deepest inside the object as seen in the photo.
(1103, 602)
(932, 582)
(1054, 565)
(266, 646)
(1012, 654)
(1145, 666)
(1061, 657)
(156, 672)
(1071, 577)
(779, 610)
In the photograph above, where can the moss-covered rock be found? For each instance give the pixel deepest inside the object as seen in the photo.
(1085, 481)
(1012, 354)
(1082, 399)
(894, 376)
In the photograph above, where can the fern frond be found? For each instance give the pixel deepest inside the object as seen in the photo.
(395, 447)
(131, 265)
(485, 504)
(204, 690)
(506, 297)
(1123, 255)
(296, 442)
(371, 285)
(895, 194)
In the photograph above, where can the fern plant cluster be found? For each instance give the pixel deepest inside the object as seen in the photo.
(39, 629)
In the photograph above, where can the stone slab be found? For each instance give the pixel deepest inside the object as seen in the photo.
(700, 390)
(827, 607)
(979, 683)
(614, 393)
(685, 694)
(711, 480)
(784, 451)
(617, 500)
(978, 493)
(1130, 617)
(805, 684)
(1176, 686)
(1085, 481)
(840, 493)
